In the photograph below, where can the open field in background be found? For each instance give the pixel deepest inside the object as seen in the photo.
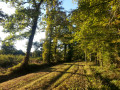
(8, 61)
(66, 76)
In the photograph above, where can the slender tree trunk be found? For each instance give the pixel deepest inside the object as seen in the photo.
(85, 56)
(98, 58)
(102, 62)
(90, 58)
(29, 46)
(65, 52)
(49, 55)
(55, 52)
(69, 52)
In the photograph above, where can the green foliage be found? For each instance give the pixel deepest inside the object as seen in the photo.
(35, 60)
(54, 20)
(7, 48)
(95, 30)
(10, 60)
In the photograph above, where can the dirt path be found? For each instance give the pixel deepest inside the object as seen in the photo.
(60, 77)
(77, 81)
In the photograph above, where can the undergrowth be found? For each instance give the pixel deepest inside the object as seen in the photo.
(108, 75)
(7, 61)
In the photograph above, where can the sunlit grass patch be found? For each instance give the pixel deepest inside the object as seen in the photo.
(9, 63)
(76, 81)
(106, 76)
(67, 75)
(94, 82)
(46, 80)
(21, 81)
(87, 70)
(116, 82)
(3, 70)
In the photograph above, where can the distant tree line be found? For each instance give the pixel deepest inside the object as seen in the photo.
(10, 49)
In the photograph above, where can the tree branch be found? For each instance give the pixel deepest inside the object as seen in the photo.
(34, 3)
(40, 3)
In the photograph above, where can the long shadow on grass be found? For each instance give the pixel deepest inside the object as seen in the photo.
(81, 74)
(73, 64)
(106, 81)
(66, 77)
(23, 71)
(56, 78)
(71, 73)
(48, 70)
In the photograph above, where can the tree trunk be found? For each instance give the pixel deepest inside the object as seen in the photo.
(29, 46)
(55, 52)
(70, 52)
(85, 56)
(65, 52)
(49, 55)
(98, 58)
(90, 58)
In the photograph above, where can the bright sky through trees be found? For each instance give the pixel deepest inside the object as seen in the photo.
(21, 44)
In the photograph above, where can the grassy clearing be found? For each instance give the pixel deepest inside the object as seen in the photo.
(65, 76)
(11, 61)
(21, 81)
(70, 75)
(76, 82)
(7, 61)
(43, 82)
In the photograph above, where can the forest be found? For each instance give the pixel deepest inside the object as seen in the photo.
(80, 51)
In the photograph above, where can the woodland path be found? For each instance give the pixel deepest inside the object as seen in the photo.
(65, 76)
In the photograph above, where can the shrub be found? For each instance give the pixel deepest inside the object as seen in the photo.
(10, 60)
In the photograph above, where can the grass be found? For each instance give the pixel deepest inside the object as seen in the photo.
(18, 71)
(23, 80)
(65, 76)
(107, 77)
(94, 82)
(7, 61)
(76, 82)
(10, 66)
(44, 81)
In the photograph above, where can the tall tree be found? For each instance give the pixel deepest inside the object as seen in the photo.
(53, 21)
(26, 17)
(93, 21)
